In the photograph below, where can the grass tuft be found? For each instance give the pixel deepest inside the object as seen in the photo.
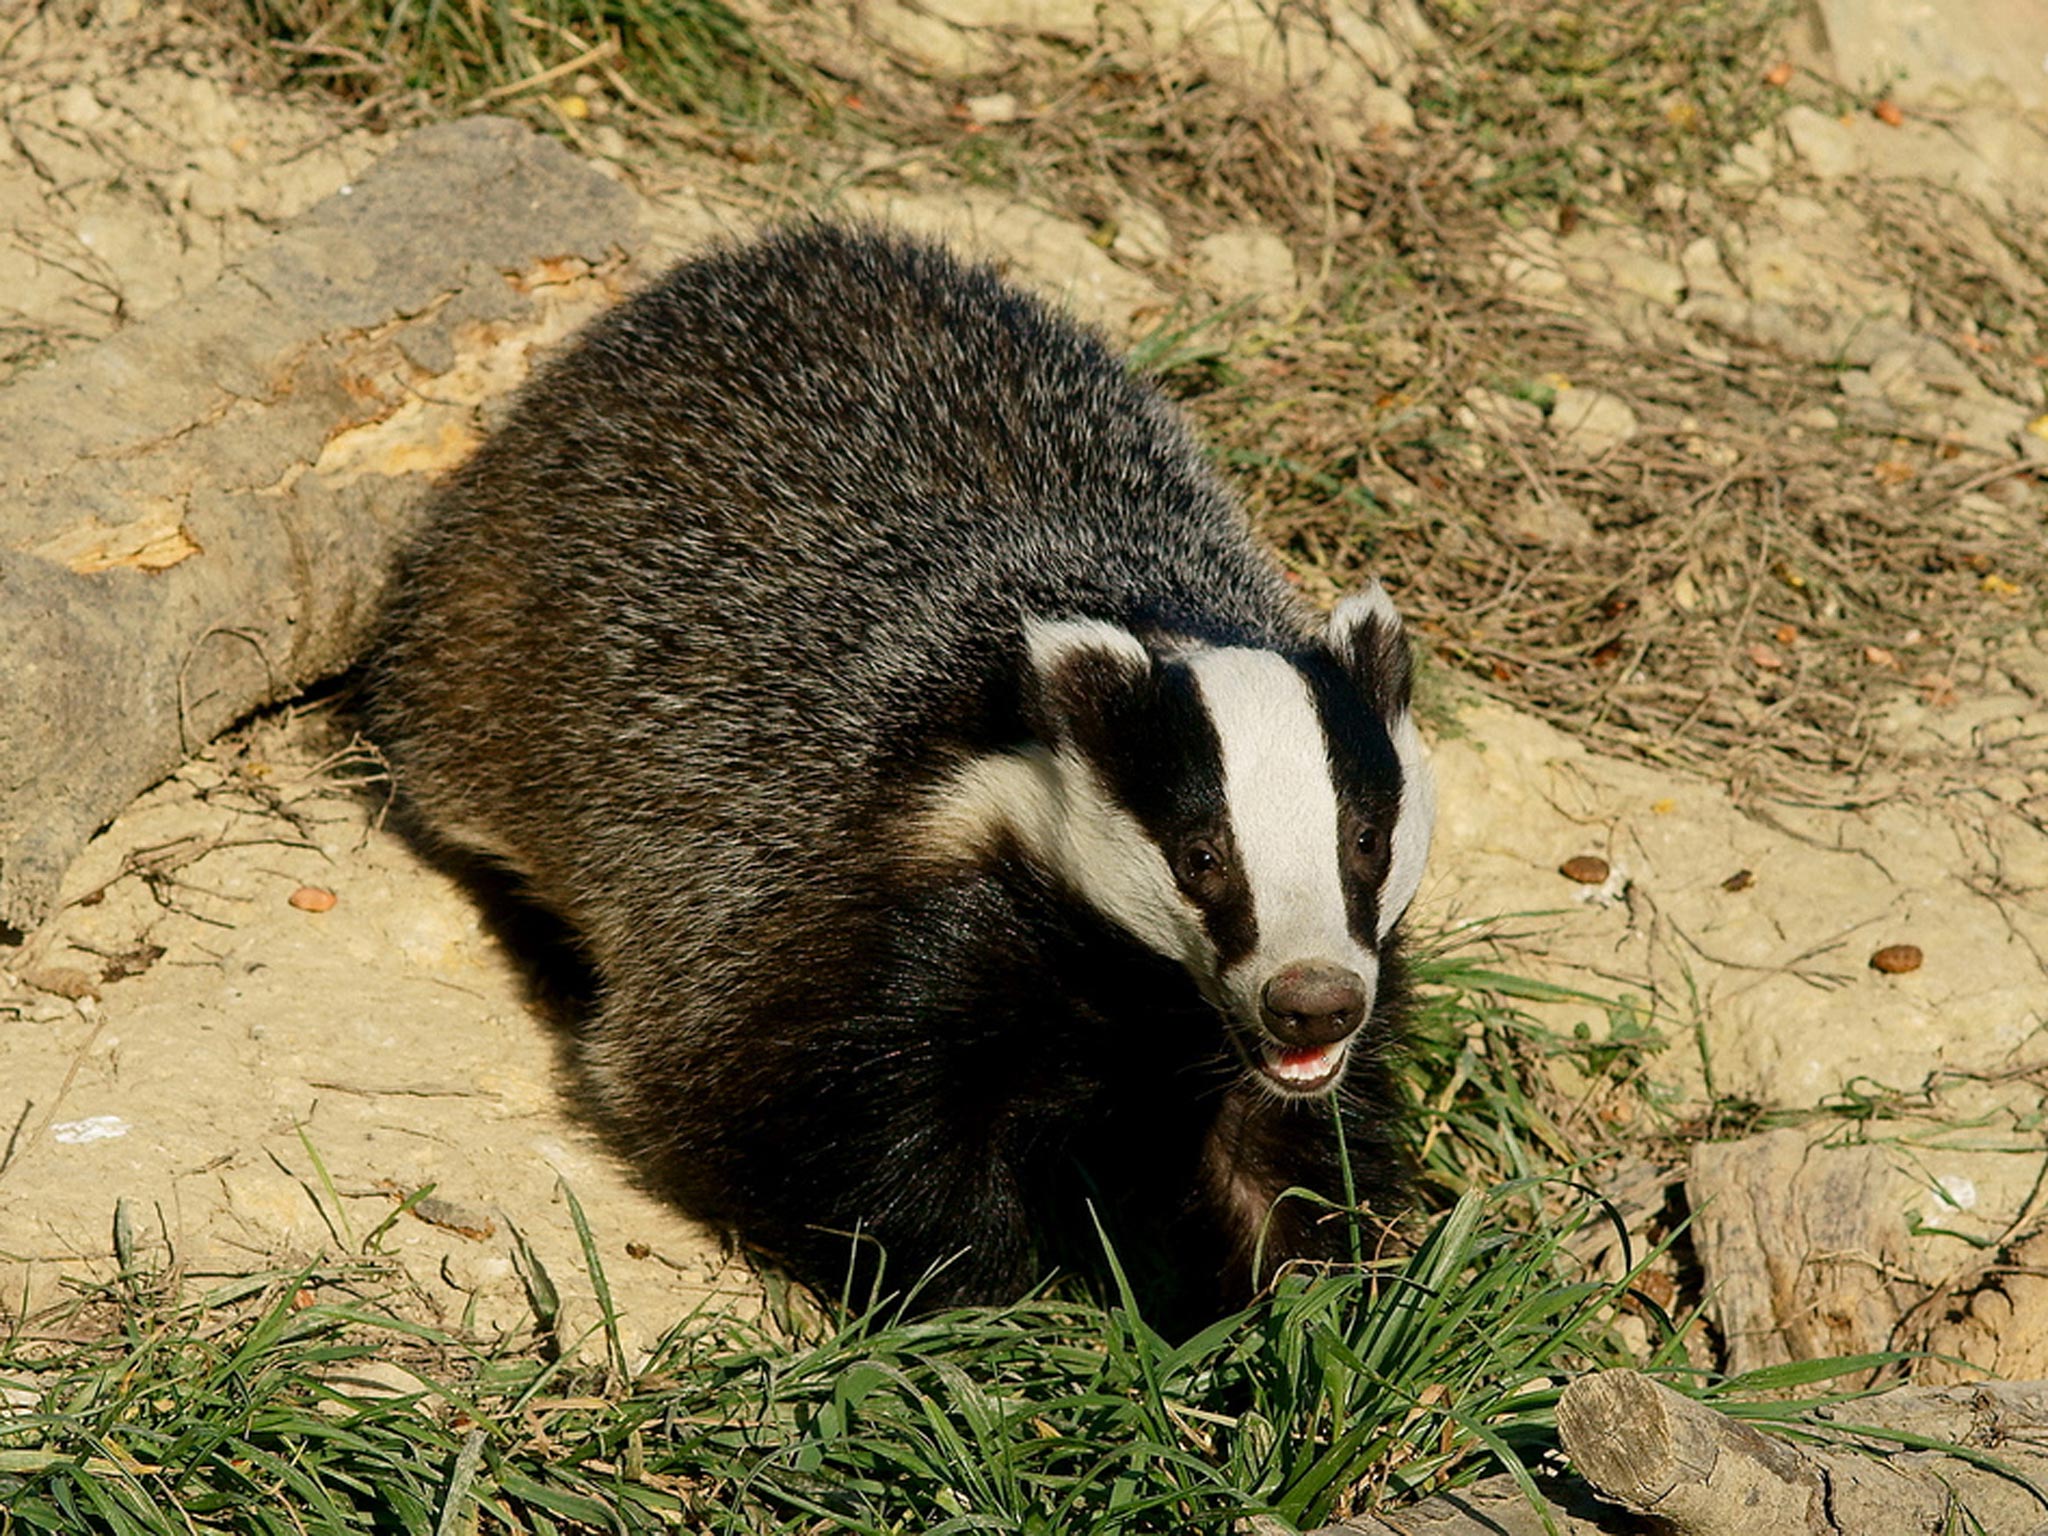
(696, 58)
(246, 1412)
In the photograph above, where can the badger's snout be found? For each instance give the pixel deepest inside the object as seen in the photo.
(1312, 1003)
(1309, 1010)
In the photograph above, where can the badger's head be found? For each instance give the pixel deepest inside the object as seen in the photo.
(1260, 818)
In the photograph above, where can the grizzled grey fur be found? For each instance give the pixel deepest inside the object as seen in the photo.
(688, 644)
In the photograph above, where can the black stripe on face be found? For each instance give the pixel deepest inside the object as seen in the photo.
(1158, 754)
(1367, 774)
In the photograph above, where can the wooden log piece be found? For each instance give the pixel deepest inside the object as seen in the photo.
(1695, 1471)
(196, 514)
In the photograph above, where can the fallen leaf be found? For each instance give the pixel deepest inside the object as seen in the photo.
(1892, 471)
(1878, 656)
(1764, 658)
(1663, 807)
(1998, 586)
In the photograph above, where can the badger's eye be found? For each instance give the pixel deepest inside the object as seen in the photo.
(1370, 842)
(1200, 869)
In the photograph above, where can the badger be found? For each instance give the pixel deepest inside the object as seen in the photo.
(977, 845)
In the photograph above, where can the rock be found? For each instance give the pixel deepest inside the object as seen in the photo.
(1826, 144)
(1072, 21)
(1141, 233)
(1616, 260)
(1349, 65)
(1592, 422)
(1385, 112)
(1253, 266)
(77, 107)
(2001, 1324)
(930, 43)
(1932, 52)
(1701, 266)
(1051, 253)
(1529, 263)
(999, 108)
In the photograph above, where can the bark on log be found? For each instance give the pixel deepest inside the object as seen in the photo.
(1650, 1462)
(195, 515)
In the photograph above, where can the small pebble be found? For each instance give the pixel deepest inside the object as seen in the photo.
(311, 898)
(1897, 959)
(1586, 869)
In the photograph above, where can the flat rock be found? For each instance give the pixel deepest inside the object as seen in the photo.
(1591, 421)
(1933, 52)
(1052, 254)
(1251, 266)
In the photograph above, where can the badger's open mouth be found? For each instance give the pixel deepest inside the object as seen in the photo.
(1304, 1069)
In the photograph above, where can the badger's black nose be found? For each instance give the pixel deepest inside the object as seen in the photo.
(1312, 1003)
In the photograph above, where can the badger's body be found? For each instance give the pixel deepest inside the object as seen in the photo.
(964, 822)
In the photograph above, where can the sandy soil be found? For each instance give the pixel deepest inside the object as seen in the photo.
(256, 1081)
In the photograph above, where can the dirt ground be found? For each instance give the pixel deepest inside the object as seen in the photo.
(260, 1027)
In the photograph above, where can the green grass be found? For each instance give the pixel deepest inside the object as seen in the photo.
(152, 1408)
(231, 1412)
(690, 57)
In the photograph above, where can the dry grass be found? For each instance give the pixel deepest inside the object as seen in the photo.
(1719, 593)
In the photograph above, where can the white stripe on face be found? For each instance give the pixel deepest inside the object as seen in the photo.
(1413, 824)
(1055, 807)
(1283, 816)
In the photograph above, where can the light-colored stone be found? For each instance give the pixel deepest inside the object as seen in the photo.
(930, 43)
(1529, 263)
(1001, 107)
(1704, 272)
(1247, 266)
(1051, 254)
(1931, 50)
(1141, 234)
(1591, 421)
(1350, 65)
(1826, 145)
(1385, 112)
(1615, 260)
(1073, 21)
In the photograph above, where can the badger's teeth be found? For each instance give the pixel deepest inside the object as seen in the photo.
(1304, 1066)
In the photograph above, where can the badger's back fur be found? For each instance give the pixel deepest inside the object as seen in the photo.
(873, 675)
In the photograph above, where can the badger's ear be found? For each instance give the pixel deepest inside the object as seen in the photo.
(1080, 671)
(1365, 636)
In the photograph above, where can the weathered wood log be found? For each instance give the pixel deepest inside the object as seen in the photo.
(1651, 1462)
(1691, 1468)
(195, 514)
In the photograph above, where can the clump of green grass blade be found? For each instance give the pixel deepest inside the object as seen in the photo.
(1337, 1391)
(680, 56)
